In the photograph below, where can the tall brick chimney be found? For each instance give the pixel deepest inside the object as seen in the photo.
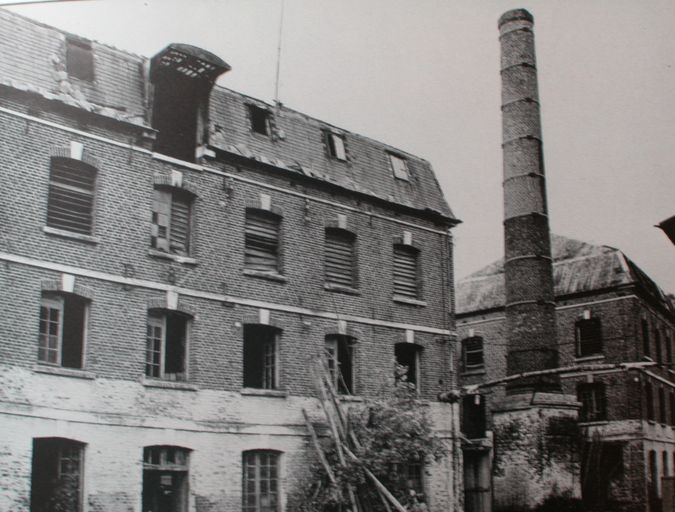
(530, 302)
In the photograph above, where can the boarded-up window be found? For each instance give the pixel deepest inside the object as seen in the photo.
(589, 337)
(260, 346)
(399, 167)
(339, 358)
(260, 481)
(336, 145)
(79, 59)
(171, 221)
(339, 257)
(56, 475)
(593, 402)
(261, 250)
(405, 271)
(71, 195)
(62, 330)
(166, 346)
(472, 353)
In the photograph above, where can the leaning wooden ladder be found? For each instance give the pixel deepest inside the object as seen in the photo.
(344, 438)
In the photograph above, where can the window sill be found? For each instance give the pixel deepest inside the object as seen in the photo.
(69, 234)
(594, 423)
(408, 300)
(341, 289)
(271, 276)
(276, 393)
(173, 257)
(584, 359)
(64, 372)
(478, 371)
(168, 384)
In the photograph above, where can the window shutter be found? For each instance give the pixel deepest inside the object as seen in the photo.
(179, 232)
(339, 258)
(71, 195)
(161, 213)
(473, 353)
(405, 271)
(262, 241)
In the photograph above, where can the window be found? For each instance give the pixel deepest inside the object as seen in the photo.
(399, 166)
(473, 416)
(339, 358)
(589, 337)
(260, 120)
(166, 346)
(672, 412)
(79, 59)
(408, 477)
(664, 458)
(593, 402)
(649, 400)
(260, 356)
(171, 220)
(261, 250)
(260, 480)
(63, 320)
(70, 204)
(340, 258)
(657, 343)
(408, 363)
(405, 271)
(336, 145)
(663, 414)
(472, 353)
(56, 475)
(165, 478)
(669, 348)
(645, 338)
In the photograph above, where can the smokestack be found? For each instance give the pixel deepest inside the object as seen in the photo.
(530, 302)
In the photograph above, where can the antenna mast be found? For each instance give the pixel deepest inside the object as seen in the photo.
(281, 27)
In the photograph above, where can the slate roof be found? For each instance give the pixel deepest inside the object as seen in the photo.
(578, 267)
(33, 59)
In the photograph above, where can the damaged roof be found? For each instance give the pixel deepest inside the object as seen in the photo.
(578, 267)
(34, 59)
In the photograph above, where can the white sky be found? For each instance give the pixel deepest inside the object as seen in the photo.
(423, 75)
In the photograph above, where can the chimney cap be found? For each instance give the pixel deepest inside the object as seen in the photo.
(514, 15)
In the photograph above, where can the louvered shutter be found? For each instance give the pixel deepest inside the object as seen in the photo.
(339, 258)
(179, 232)
(405, 271)
(261, 241)
(71, 195)
(161, 215)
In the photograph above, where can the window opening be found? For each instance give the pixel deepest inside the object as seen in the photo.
(589, 337)
(473, 416)
(663, 414)
(63, 319)
(339, 258)
(166, 346)
(70, 204)
(339, 358)
(336, 145)
(649, 399)
(598, 486)
(399, 166)
(645, 338)
(260, 356)
(261, 241)
(171, 219)
(165, 479)
(79, 59)
(473, 353)
(408, 363)
(477, 478)
(260, 480)
(260, 120)
(659, 348)
(56, 475)
(593, 402)
(408, 477)
(405, 271)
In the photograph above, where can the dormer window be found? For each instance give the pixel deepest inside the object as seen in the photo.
(79, 59)
(336, 145)
(399, 167)
(260, 120)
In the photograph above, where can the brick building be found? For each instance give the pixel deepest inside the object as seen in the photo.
(611, 317)
(174, 257)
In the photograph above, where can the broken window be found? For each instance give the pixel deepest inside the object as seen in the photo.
(589, 337)
(405, 271)
(408, 363)
(593, 401)
(79, 59)
(63, 319)
(260, 120)
(339, 257)
(166, 346)
(473, 416)
(70, 204)
(339, 358)
(399, 166)
(56, 475)
(645, 338)
(472, 353)
(171, 220)
(260, 480)
(336, 145)
(261, 240)
(260, 355)
(165, 479)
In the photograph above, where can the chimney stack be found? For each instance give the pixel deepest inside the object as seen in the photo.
(530, 301)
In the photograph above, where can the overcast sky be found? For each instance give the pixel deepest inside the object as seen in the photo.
(423, 75)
